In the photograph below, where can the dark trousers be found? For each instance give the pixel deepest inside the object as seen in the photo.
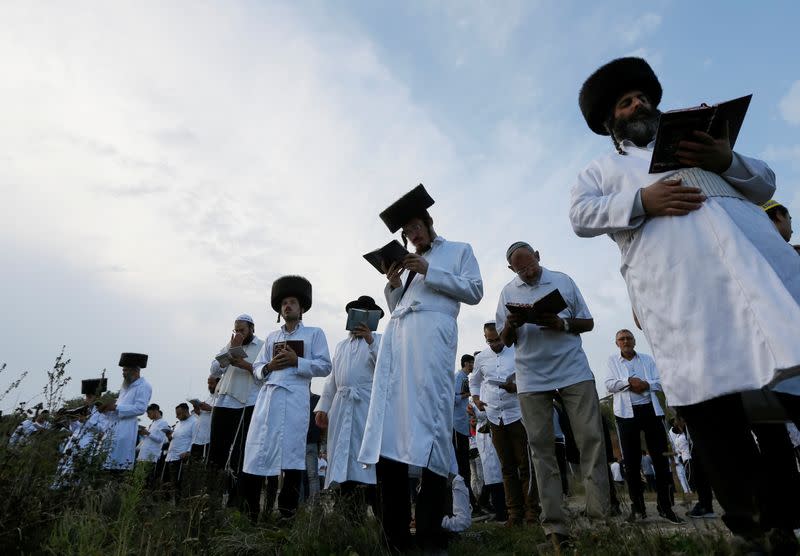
(288, 499)
(224, 425)
(698, 482)
(757, 485)
(461, 444)
(645, 420)
(394, 506)
(561, 458)
(175, 471)
(498, 496)
(354, 497)
(511, 444)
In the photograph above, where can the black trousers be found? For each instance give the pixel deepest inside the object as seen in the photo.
(288, 499)
(698, 482)
(561, 458)
(645, 420)
(354, 497)
(224, 425)
(757, 485)
(461, 444)
(498, 495)
(394, 506)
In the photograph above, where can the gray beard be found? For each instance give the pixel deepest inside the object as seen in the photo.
(641, 129)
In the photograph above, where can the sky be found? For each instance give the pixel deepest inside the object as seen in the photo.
(162, 163)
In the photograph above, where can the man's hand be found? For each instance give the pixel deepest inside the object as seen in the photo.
(285, 359)
(515, 320)
(237, 339)
(667, 197)
(241, 363)
(478, 403)
(638, 385)
(143, 431)
(321, 419)
(184, 456)
(510, 387)
(363, 331)
(415, 263)
(550, 321)
(714, 155)
(110, 406)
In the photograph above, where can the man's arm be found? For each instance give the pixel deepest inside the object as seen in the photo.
(318, 362)
(592, 213)
(137, 405)
(464, 285)
(614, 384)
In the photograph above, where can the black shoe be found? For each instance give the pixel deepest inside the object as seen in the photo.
(636, 514)
(699, 512)
(670, 516)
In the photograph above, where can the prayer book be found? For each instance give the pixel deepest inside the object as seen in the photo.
(675, 126)
(552, 303)
(225, 357)
(296, 345)
(362, 316)
(497, 382)
(384, 257)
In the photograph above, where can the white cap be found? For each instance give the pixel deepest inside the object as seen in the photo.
(245, 318)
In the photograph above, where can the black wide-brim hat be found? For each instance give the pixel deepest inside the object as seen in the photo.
(133, 360)
(364, 302)
(94, 386)
(601, 91)
(411, 205)
(291, 286)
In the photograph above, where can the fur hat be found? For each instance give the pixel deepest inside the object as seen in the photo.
(411, 205)
(364, 302)
(133, 360)
(291, 286)
(94, 386)
(601, 91)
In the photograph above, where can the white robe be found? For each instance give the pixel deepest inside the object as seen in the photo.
(123, 424)
(716, 291)
(492, 474)
(345, 398)
(411, 408)
(151, 445)
(85, 442)
(277, 436)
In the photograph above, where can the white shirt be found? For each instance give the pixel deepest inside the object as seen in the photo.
(460, 417)
(547, 359)
(681, 445)
(322, 467)
(616, 472)
(202, 432)
(227, 401)
(181, 438)
(717, 291)
(150, 446)
(490, 370)
(619, 370)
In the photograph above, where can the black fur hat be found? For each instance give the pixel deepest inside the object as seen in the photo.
(601, 91)
(411, 205)
(133, 360)
(291, 286)
(94, 386)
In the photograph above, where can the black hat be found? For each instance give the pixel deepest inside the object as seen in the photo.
(364, 302)
(94, 386)
(601, 91)
(411, 205)
(291, 286)
(133, 360)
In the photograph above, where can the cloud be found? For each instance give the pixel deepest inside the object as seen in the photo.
(640, 28)
(789, 105)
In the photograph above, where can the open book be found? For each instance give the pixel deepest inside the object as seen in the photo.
(497, 381)
(552, 303)
(362, 316)
(226, 356)
(384, 257)
(677, 125)
(296, 345)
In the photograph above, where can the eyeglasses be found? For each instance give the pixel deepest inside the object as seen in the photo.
(524, 269)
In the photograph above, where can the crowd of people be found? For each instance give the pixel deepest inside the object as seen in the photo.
(713, 285)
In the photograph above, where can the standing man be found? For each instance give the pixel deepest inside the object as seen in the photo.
(236, 393)
(461, 426)
(202, 410)
(180, 446)
(123, 414)
(633, 380)
(410, 418)
(698, 257)
(290, 357)
(550, 358)
(344, 403)
(494, 391)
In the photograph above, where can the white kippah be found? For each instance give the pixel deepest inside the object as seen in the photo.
(245, 318)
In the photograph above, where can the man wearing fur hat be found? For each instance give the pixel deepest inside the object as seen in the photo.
(236, 393)
(123, 415)
(716, 290)
(410, 420)
(289, 358)
(342, 408)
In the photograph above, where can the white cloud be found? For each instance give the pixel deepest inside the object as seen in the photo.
(640, 28)
(790, 104)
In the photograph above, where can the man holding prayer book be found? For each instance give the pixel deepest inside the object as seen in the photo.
(236, 391)
(289, 358)
(410, 420)
(550, 358)
(715, 289)
(344, 403)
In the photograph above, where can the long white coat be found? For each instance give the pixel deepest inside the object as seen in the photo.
(277, 436)
(345, 398)
(716, 291)
(124, 426)
(411, 409)
(492, 474)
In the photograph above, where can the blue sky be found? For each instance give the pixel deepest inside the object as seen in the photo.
(162, 163)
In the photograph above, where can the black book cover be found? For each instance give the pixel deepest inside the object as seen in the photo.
(384, 257)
